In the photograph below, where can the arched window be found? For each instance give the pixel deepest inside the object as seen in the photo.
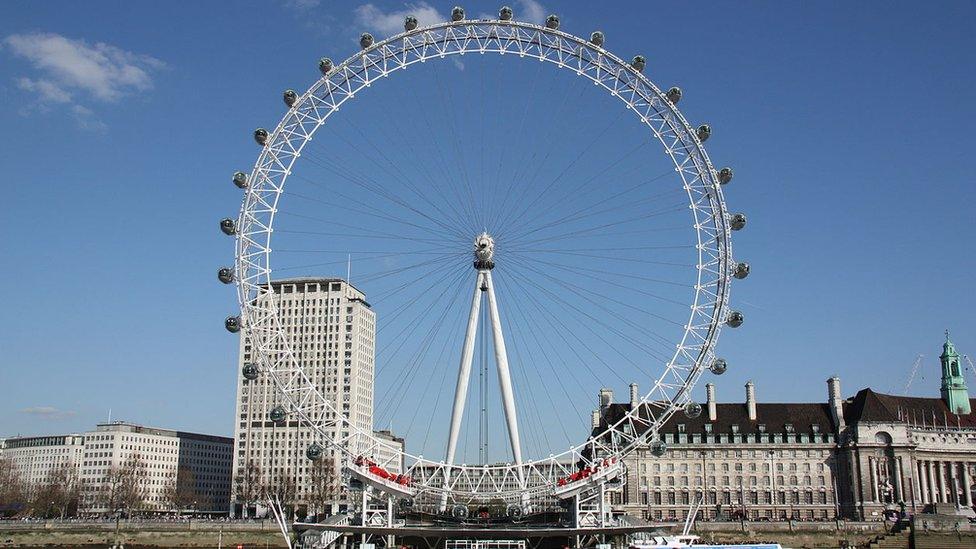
(882, 437)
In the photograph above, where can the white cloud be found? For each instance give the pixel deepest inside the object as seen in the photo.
(48, 412)
(69, 72)
(385, 23)
(531, 11)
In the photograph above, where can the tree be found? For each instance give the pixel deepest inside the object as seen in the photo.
(181, 489)
(247, 485)
(13, 492)
(58, 494)
(124, 486)
(323, 488)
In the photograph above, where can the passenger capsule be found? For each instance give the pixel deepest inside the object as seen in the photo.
(250, 371)
(365, 40)
(409, 23)
(240, 179)
(514, 511)
(314, 451)
(741, 270)
(718, 366)
(704, 132)
(693, 410)
(737, 221)
(658, 448)
(725, 175)
(638, 63)
(459, 512)
(674, 95)
(325, 66)
(233, 324)
(735, 319)
(261, 136)
(290, 98)
(457, 13)
(225, 275)
(277, 415)
(552, 22)
(505, 14)
(596, 38)
(228, 226)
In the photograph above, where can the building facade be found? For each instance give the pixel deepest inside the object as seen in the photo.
(118, 454)
(37, 458)
(855, 458)
(332, 333)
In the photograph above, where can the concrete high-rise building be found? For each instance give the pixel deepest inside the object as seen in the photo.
(332, 333)
(155, 457)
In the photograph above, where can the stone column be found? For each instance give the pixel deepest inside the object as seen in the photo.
(899, 486)
(943, 491)
(923, 481)
(932, 488)
(966, 483)
(953, 485)
(873, 479)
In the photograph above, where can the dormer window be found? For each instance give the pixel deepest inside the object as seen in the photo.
(815, 428)
(762, 427)
(681, 427)
(735, 428)
(708, 427)
(788, 427)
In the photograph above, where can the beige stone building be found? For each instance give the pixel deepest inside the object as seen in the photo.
(854, 458)
(35, 458)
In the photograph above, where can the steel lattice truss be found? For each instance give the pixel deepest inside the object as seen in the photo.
(694, 352)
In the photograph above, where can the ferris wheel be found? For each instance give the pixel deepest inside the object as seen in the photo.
(597, 262)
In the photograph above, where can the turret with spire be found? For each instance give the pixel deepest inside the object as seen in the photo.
(954, 391)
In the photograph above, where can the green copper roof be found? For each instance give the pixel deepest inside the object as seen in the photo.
(948, 349)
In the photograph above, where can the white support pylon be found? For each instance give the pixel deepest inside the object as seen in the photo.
(483, 251)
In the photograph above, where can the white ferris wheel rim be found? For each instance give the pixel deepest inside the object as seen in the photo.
(709, 309)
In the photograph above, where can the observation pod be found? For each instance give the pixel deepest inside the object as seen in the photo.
(505, 14)
(457, 13)
(365, 40)
(552, 22)
(741, 270)
(277, 415)
(228, 226)
(410, 23)
(240, 179)
(674, 95)
(514, 512)
(261, 136)
(718, 366)
(225, 275)
(737, 221)
(290, 98)
(597, 38)
(314, 451)
(725, 175)
(250, 371)
(693, 410)
(460, 512)
(325, 66)
(233, 324)
(735, 319)
(658, 448)
(704, 132)
(638, 63)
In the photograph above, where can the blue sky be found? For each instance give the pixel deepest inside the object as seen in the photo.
(848, 126)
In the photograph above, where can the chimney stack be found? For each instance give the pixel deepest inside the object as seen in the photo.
(634, 398)
(835, 402)
(606, 398)
(595, 419)
(710, 398)
(751, 400)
